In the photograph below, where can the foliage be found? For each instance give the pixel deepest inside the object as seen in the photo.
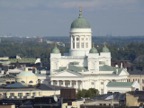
(122, 48)
(92, 92)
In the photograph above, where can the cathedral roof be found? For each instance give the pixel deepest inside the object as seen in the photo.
(119, 84)
(110, 68)
(80, 22)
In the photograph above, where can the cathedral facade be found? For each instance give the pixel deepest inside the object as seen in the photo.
(85, 67)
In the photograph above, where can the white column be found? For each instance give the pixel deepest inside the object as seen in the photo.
(71, 42)
(75, 42)
(64, 83)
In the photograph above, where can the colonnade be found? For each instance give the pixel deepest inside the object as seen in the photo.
(78, 84)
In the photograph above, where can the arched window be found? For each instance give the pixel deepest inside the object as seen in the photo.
(22, 82)
(30, 81)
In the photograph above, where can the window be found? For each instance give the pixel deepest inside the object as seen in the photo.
(22, 81)
(138, 80)
(102, 91)
(142, 80)
(82, 45)
(30, 81)
(73, 45)
(11, 94)
(102, 83)
(86, 45)
(27, 94)
(20, 94)
(77, 45)
(73, 38)
(92, 83)
(77, 38)
(82, 39)
(34, 94)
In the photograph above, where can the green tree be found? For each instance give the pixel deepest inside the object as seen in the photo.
(92, 92)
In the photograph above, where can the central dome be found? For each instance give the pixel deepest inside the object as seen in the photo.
(80, 22)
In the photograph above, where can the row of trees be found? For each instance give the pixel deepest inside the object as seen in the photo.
(31, 48)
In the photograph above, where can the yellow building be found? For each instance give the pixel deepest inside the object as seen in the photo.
(137, 75)
(135, 98)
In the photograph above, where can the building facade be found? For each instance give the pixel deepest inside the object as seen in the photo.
(84, 67)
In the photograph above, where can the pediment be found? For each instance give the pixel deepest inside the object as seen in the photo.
(69, 74)
(123, 72)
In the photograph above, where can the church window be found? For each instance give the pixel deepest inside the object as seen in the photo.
(82, 39)
(82, 45)
(138, 80)
(73, 45)
(22, 81)
(73, 39)
(102, 91)
(92, 83)
(86, 45)
(77, 45)
(30, 81)
(34, 93)
(77, 38)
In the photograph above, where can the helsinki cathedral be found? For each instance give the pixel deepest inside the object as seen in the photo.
(84, 67)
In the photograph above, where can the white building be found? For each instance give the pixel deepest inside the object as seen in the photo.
(85, 67)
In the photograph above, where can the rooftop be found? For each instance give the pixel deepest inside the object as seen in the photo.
(119, 84)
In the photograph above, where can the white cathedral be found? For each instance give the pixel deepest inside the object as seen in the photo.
(85, 67)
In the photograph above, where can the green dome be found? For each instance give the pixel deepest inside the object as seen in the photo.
(80, 22)
(93, 50)
(105, 49)
(55, 50)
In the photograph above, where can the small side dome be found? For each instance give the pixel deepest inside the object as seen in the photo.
(56, 50)
(93, 50)
(105, 49)
(25, 77)
(80, 22)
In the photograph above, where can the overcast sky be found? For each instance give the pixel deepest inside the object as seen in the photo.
(54, 17)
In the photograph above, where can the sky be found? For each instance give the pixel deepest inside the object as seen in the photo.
(54, 17)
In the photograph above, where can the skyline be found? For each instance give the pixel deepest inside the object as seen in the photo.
(53, 18)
